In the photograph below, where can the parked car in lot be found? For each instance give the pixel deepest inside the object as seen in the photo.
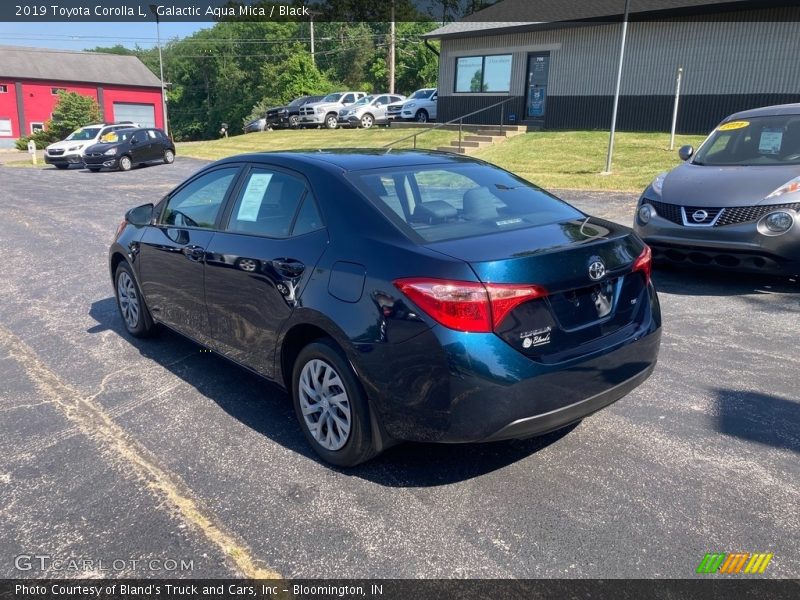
(256, 125)
(420, 106)
(289, 115)
(397, 296)
(735, 203)
(71, 150)
(325, 113)
(393, 110)
(369, 111)
(127, 148)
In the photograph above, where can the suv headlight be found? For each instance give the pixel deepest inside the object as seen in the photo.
(777, 222)
(73, 148)
(789, 187)
(646, 212)
(410, 105)
(110, 152)
(658, 183)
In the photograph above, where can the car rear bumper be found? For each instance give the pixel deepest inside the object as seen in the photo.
(738, 247)
(447, 386)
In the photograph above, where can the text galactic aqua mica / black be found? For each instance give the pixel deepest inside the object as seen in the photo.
(398, 295)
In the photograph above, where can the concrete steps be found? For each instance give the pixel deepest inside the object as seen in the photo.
(483, 139)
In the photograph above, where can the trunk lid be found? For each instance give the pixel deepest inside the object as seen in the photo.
(580, 308)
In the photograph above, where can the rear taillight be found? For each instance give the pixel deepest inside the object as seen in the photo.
(467, 305)
(644, 263)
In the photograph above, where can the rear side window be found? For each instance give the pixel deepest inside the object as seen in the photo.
(197, 204)
(273, 204)
(431, 204)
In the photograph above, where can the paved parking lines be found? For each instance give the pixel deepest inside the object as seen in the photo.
(93, 422)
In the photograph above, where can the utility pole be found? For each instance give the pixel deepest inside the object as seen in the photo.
(161, 67)
(391, 52)
(616, 91)
(675, 108)
(313, 60)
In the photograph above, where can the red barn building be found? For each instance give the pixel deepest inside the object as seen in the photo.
(30, 78)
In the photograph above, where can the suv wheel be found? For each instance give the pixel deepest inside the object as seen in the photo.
(367, 121)
(294, 121)
(331, 405)
(330, 121)
(125, 163)
(421, 116)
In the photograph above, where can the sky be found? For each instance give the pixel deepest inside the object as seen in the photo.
(79, 36)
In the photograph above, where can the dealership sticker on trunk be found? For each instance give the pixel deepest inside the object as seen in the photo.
(538, 337)
(734, 125)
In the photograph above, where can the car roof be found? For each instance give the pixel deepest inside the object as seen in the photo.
(357, 159)
(767, 111)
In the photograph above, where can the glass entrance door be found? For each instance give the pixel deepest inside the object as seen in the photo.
(538, 69)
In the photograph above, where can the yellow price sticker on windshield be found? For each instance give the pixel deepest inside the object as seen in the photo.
(730, 126)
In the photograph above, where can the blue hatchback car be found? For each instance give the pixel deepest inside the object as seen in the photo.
(398, 295)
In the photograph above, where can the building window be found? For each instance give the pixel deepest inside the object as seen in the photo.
(37, 127)
(3, 88)
(5, 127)
(55, 91)
(483, 73)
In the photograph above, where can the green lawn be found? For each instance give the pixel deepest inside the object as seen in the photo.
(575, 159)
(557, 160)
(310, 139)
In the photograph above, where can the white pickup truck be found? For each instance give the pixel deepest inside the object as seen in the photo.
(325, 113)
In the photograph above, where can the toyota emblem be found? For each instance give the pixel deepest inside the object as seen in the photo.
(699, 216)
(597, 269)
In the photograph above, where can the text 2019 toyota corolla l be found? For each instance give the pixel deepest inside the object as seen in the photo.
(398, 296)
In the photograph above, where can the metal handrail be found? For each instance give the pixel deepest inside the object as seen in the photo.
(459, 120)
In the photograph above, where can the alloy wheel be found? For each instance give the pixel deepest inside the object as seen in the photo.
(169, 157)
(128, 300)
(325, 405)
(367, 121)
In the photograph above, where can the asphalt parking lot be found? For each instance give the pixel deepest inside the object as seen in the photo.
(115, 448)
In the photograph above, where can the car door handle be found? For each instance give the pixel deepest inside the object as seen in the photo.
(195, 253)
(288, 267)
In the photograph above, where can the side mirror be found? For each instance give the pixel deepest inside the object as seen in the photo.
(140, 216)
(134, 141)
(378, 104)
(686, 152)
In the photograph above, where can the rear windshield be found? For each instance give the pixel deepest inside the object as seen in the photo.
(435, 203)
(773, 140)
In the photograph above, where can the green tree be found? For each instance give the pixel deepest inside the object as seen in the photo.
(72, 111)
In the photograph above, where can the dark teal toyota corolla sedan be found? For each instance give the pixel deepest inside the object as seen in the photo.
(397, 295)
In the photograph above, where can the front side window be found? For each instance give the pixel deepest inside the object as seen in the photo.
(773, 140)
(431, 204)
(332, 98)
(483, 73)
(197, 204)
(273, 204)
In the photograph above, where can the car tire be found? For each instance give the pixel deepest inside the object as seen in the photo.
(130, 303)
(331, 121)
(322, 372)
(367, 121)
(294, 121)
(169, 156)
(421, 116)
(62, 167)
(94, 169)
(125, 163)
